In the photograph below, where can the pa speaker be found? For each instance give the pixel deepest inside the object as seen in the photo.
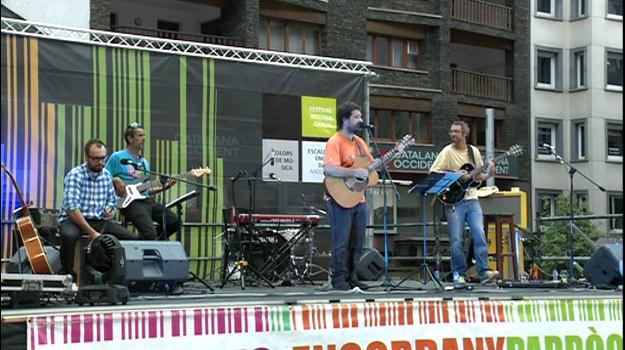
(154, 261)
(20, 259)
(602, 270)
(371, 265)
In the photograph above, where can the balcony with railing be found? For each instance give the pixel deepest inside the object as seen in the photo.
(481, 85)
(482, 12)
(175, 35)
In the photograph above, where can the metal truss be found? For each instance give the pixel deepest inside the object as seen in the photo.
(187, 48)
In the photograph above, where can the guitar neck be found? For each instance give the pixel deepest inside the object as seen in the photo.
(154, 183)
(25, 211)
(376, 164)
(481, 168)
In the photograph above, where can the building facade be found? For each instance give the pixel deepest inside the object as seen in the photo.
(577, 105)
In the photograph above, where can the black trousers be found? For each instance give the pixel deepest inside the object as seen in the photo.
(143, 213)
(70, 234)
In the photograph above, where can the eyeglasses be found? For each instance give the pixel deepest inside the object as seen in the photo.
(451, 132)
(98, 159)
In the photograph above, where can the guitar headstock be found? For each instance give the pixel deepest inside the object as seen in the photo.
(406, 141)
(197, 172)
(515, 150)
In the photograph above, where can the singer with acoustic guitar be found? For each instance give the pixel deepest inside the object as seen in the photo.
(88, 204)
(348, 222)
(128, 167)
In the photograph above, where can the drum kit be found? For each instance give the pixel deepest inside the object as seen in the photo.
(280, 247)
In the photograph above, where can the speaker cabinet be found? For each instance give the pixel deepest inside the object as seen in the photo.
(371, 265)
(154, 261)
(602, 270)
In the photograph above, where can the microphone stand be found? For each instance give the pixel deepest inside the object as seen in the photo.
(243, 262)
(387, 283)
(572, 170)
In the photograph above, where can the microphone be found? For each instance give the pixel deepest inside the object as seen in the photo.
(546, 145)
(211, 188)
(366, 126)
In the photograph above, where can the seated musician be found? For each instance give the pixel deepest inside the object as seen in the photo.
(88, 204)
(135, 169)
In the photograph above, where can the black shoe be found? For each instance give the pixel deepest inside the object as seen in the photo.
(341, 286)
(358, 284)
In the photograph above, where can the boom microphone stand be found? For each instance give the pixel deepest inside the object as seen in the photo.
(387, 283)
(243, 263)
(571, 170)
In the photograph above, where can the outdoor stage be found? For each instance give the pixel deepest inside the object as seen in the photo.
(415, 316)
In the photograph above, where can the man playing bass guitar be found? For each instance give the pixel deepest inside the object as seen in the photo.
(453, 157)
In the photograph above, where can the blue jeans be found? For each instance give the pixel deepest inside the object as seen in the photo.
(347, 226)
(471, 212)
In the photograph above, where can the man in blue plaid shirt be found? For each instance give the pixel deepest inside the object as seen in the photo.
(88, 204)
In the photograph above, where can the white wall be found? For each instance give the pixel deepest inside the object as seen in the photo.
(70, 13)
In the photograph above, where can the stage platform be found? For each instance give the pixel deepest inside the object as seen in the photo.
(314, 317)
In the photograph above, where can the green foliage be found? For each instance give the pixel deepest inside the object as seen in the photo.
(555, 238)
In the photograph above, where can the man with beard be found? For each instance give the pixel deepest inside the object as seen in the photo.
(88, 204)
(347, 225)
(128, 167)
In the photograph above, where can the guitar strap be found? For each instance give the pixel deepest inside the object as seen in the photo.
(471, 155)
(360, 149)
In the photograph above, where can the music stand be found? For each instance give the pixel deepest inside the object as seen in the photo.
(178, 204)
(433, 184)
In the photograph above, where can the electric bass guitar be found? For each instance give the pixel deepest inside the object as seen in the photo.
(136, 191)
(32, 243)
(454, 194)
(347, 191)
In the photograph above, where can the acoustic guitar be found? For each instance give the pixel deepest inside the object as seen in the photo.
(347, 191)
(455, 193)
(26, 227)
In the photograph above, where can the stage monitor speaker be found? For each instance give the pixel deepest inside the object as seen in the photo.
(154, 261)
(602, 270)
(20, 258)
(371, 265)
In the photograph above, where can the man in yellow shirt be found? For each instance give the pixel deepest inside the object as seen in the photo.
(451, 158)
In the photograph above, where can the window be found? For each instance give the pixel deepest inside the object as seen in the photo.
(615, 206)
(547, 132)
(579, 8)
(578, 69)
(615, 9)
(167, 29)
(615, 141)
(477, 135)
(580, 201)
(578, 138)
(614, 70)
(548, 68)
(289, 36)
(394, 52)
(545, 7)
(549, 8)
(392, 125)
(546, 205)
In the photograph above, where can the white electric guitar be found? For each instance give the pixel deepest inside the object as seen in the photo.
(135, 191)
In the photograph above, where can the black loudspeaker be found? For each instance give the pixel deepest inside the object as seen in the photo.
(371, 265)
(20, 258)
(603, 270)
(148, 262)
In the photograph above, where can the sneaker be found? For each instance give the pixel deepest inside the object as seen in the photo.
(358, 284)
(489, 276)
(460, 282)
(341, 286)
(177, 290)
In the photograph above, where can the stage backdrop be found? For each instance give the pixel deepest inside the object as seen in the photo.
(225, 115)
